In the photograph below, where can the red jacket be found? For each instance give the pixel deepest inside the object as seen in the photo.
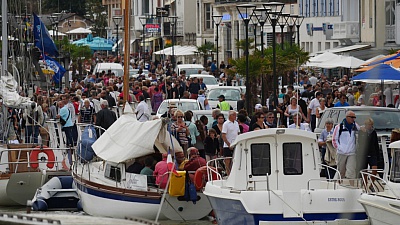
(194, 163)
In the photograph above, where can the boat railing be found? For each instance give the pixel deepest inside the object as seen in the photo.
(19, 159)
(216, 168)
(373, 183)
(336, 181)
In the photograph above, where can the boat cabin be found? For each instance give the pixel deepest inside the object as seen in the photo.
(274, 159)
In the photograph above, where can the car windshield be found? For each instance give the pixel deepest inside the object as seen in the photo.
(383, 120)
(184, 106)
(210, 81)
(230, 94)
(190, 71)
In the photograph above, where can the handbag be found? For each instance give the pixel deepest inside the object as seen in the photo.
(190, 190)
(62, 121)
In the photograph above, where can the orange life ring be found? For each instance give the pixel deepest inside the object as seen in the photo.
(201, 176)
(33, 157)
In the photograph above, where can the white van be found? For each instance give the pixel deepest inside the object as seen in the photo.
(189, 68)
(115, 68)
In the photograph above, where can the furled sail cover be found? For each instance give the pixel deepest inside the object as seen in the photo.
(9, 93)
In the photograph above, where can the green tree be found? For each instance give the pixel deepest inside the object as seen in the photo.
(205, 50)
(98, 14)
(51, 6)
(77, 53)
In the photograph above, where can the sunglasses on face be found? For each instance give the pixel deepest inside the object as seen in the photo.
(180, 116)
(353, 117)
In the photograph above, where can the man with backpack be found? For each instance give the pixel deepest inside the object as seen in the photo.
(344, 140)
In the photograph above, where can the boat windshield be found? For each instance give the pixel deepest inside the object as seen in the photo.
(395, 170)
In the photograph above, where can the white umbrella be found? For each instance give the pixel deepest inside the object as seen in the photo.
(343, 61)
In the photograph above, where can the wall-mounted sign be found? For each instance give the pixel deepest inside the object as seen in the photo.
(153, 28)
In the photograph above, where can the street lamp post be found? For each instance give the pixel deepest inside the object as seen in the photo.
(273, 17)
(261, 15)
(143, 21)
(172, 21)
(117, 20)
(245, 13)
(217, 20)
(292, 22)
(283, 21)
(298, 24)
(254, 22)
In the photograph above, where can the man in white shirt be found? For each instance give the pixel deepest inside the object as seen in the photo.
(312, 108)
(142, 111)
(230, 130)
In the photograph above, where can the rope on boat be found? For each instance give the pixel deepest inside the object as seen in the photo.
(284, 202)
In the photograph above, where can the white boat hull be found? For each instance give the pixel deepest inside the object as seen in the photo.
(117, 203)
(4, 199)
(381, 210)
(279, 207)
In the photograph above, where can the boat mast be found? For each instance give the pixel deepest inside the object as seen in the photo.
(4, 42)
(127, 8)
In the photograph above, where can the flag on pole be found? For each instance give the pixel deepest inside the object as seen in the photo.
(56, 67)
(42, 38)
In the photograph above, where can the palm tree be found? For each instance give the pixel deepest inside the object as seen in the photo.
(205, 50)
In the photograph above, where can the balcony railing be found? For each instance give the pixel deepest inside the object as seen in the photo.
(343, 30)
(179, 28)
(245, 1)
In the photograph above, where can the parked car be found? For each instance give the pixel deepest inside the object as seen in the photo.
(182, 104)
(115, 68)
(189, 68)
(209, 80)
(231, 93)
(198, 113)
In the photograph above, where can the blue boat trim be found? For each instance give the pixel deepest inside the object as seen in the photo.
(229, 211)
(113, 195)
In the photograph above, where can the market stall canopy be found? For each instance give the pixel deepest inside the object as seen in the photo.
(178, 50)
(380, 73)
(79, 30)
(95, 43)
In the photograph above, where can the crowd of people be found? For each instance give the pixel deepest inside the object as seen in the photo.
(91, 99)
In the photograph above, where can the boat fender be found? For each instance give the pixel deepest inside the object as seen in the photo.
(39, 205)
(33, 158)
(200, 177)
(79, 205)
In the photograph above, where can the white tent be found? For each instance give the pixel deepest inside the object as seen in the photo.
(322, 58)
(178, 50)
(56, 33)
(343, 61)
(79, 30)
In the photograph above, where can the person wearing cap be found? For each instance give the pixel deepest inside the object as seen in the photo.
(223, 105)
(257, 108)
(195, 160)
(350, 96)
(169, 113)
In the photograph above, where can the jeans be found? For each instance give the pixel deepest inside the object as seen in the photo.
(32, 131)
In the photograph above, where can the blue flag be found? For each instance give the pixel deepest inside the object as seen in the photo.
(56, 67)
(42, 38)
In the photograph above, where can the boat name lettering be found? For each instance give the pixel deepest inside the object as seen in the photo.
(336, 199)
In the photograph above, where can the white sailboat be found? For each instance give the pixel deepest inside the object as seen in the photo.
(121, 194)
(275, 179)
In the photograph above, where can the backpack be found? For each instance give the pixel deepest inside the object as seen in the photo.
(33, 116)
